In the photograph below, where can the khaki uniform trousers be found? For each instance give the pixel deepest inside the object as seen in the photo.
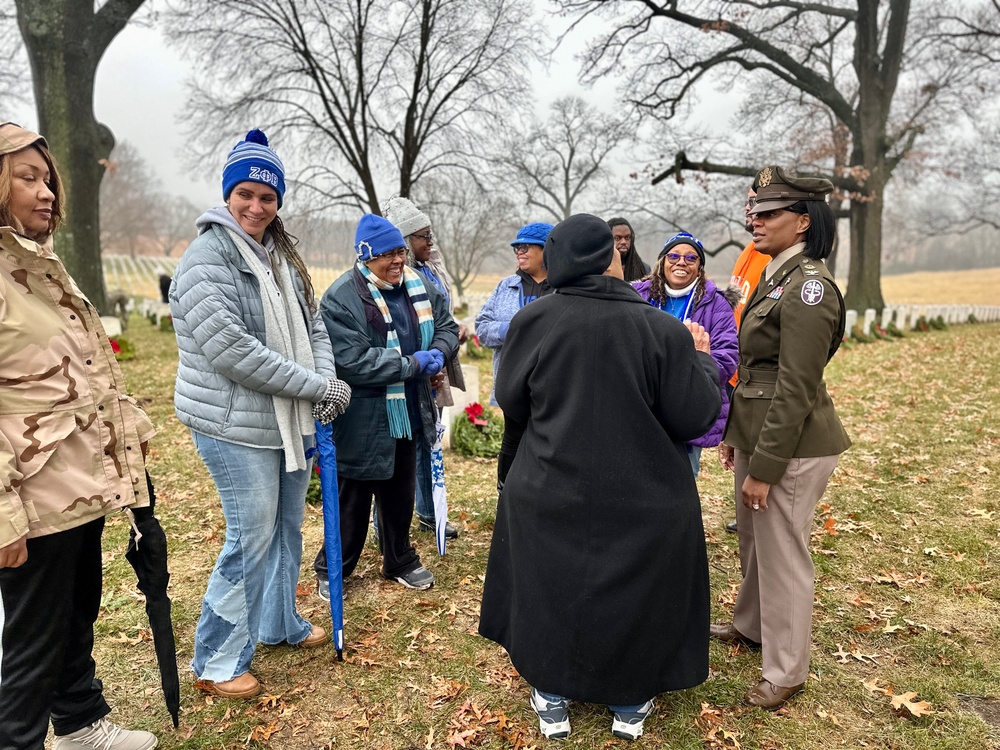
(774, 606)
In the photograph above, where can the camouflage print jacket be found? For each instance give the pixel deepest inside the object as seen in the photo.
(69, 435)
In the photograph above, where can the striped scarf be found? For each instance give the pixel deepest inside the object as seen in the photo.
(395, 394)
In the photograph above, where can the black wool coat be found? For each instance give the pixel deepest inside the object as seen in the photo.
(597, 582)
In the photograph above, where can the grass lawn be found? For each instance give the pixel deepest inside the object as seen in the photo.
(907, 597)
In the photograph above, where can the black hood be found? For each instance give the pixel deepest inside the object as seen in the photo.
(579, 246)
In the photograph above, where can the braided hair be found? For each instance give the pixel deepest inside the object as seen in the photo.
(285, 243)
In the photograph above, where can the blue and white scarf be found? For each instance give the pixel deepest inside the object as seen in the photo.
(395, 394)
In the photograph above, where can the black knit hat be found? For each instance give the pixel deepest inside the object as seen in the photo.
(579, 246)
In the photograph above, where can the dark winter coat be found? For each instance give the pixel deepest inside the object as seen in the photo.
(365, 447)
(597, 582)
(715, 314)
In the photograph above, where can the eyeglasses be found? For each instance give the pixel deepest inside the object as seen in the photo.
(751, 202)
(689, 258)
(429, 237)
(522, 249)
(393, 254)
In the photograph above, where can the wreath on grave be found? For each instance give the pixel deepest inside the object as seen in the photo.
(474, 349)
(123, 348)
(477, 432)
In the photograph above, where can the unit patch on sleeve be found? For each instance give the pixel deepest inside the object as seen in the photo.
(812, 292)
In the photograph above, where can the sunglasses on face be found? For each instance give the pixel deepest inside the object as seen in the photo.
(689, 258)
(522, 249)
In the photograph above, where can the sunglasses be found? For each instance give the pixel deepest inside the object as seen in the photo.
(689, 258)
(522, 249)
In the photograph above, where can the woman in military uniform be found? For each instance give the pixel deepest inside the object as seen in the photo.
(783, 437)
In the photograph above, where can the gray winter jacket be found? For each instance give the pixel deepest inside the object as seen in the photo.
(225, 374)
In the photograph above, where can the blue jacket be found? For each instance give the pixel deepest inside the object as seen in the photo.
(365, 448)
(494, 319)
(226, 375)
(715, 314)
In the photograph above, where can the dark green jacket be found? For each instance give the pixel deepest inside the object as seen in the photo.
(365, 448)
(791, 327)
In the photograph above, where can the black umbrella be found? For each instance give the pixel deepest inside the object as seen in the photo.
(148, 556)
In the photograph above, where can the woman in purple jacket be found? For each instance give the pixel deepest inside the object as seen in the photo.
(678, 286)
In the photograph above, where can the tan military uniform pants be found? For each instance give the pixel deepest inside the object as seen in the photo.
(775, 602)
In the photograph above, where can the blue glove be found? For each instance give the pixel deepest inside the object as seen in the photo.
(429, 364)
(439, 356)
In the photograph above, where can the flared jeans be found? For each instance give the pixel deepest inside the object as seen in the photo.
(251, 592)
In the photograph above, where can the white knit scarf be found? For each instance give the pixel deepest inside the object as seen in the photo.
(285, 332)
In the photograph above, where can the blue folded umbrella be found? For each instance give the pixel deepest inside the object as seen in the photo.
(327, 462)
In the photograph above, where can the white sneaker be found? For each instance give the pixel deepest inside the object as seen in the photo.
(628, 724)
(103, 735)
(553, 718)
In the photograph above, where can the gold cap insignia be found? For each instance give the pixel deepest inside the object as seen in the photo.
(764, 178)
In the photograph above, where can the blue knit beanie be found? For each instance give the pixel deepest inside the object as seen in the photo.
(683, 238)
(533, 234)
(251, 160)
(375, 236)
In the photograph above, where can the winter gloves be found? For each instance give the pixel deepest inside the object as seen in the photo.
(334, 403)
(430, 362)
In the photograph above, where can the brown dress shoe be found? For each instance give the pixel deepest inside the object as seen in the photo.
(316, 637)
(240, 687)
(727, 633)
(771, 697)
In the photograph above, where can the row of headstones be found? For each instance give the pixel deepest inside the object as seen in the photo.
(905, 317)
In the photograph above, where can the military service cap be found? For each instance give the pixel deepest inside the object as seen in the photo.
(775, 189)
(14, 138)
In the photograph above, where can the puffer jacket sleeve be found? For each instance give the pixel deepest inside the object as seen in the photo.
(721, 328)
(359, 361)
(205, 296)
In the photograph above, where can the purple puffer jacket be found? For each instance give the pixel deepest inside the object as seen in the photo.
(715, 314)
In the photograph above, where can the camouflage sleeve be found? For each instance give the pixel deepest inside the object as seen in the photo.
(13, 518)
(143, 424)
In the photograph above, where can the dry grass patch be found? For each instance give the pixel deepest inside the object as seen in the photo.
(907, 598)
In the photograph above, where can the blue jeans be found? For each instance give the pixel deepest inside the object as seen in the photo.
(553, 698)
(251, 592)
(694, 456)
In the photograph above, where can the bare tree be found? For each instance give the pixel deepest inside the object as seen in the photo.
(14, 74)
(358, 92)
(129, 201)
(174, 222)
(559, 160)
(873, 67)
(65, 40)
(470, 224)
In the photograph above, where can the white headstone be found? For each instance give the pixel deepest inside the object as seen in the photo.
(112, 326)
(462, 399)
(869, 319)
(851, 321)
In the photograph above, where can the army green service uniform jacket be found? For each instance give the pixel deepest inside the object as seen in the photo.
(792, 325)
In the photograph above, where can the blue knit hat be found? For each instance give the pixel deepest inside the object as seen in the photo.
(533, 234)
(375, 236)
(683, 238)
(251, 160)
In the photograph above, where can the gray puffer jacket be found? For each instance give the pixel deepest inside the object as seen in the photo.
(226, 376)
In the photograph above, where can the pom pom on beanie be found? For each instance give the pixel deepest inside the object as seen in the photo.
(253, 160)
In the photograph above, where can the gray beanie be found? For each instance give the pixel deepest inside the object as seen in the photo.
(405, 216)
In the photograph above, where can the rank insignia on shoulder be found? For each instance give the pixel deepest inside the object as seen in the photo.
(812, 273)
(808, 265)
(776, 294)
(812, 292)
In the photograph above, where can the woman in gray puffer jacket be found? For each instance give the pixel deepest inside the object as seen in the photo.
(256, 367)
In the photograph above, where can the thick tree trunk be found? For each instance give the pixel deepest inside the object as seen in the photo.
(864, 281)
(65, 41)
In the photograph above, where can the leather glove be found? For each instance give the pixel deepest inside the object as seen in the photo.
(428, 362)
